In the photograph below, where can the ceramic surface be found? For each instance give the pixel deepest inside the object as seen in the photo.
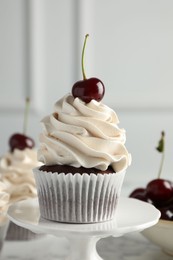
(161, 235)
(132, 215)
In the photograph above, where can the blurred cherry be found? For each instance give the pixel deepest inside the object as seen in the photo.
(140, 194)
(166, 212)
(20, 141)
(159, 190)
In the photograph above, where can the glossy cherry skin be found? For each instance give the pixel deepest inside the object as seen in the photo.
(20, 142)
(167, 212)
(136, 192)
(160, 191)
(88, 89)
(140, 194)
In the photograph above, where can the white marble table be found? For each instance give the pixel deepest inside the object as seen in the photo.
(129, 247)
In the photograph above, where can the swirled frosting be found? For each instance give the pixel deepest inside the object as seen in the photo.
(4, 203)
(4, 198)
(80, 134)
(16, 173)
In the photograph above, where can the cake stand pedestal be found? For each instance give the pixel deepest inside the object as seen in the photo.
(132, 215)
(83, 248)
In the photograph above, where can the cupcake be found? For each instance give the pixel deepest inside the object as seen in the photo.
(16, 173)
(84, 157)
(4, 203)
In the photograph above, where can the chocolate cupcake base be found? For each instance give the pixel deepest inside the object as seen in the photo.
(78, 198)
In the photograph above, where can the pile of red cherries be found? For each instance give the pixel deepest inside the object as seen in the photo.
(158, 192)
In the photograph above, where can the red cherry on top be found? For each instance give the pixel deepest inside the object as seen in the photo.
(89, 89)
(20, 141)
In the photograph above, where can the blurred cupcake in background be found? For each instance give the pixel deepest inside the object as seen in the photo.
(16, 173)
(4, 204)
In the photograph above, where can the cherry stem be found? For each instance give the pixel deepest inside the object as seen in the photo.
(25, 121)
(163, 156)
(161, 165)
(83, 51)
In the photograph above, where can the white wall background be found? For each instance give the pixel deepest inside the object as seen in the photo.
(130, 49)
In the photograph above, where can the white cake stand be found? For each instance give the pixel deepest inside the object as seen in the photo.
(132, 215)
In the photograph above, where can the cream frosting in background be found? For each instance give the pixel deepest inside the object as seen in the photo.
(4, 201)
(4, 204)
(16, 173)
(80, 134)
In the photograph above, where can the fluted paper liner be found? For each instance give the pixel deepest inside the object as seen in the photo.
(78, 198)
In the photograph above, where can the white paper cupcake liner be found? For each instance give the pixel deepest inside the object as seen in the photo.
(17, 233)
(78, 198)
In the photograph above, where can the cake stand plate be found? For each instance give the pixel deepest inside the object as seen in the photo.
(131, 215)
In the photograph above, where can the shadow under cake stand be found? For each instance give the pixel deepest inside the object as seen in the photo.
(131, 215)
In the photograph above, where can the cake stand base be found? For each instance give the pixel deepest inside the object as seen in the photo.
(83, 248)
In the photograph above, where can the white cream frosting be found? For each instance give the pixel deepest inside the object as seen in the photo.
(4, 203)
(80, 134)
(16, 173)
(4, 198)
